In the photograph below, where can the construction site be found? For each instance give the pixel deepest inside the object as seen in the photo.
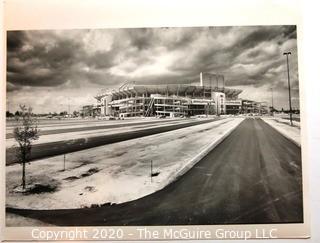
(207, 97)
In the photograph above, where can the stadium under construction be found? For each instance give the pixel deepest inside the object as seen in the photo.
(209, 96)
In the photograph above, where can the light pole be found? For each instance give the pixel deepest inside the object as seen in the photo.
(272, 107)
(290, 111)
(68, 107)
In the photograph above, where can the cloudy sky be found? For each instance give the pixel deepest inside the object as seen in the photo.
(50, 69)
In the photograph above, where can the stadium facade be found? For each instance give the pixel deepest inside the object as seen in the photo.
(209, 96)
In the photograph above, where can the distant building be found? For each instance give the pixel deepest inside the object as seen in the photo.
(220, 102)
(250, 106)
(264, 108)
(234, 106)
(90, 111)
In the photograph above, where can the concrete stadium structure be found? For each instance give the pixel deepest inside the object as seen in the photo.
(207, 97)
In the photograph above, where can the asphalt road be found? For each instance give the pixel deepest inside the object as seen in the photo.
(252, 177)
(44, 150)
(60, 129)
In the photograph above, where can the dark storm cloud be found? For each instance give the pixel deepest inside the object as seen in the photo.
(77, 63)
(141, 38)
(257, 36)
(255, 53)
(103, 78)
(100, 60)
(245, 55)
(183, 40)
(290, 32)
(45, 58)
(15, 40)
(268, 40)
(38, 77)
(64, 53)
(41, 64)
(265, 34)
(146, 38)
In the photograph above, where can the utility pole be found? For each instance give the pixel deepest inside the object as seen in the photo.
(290, 108)
(151, 170)
(207, 109)
(272, 101)
(68, 106)
(64, 162)
(217, 107)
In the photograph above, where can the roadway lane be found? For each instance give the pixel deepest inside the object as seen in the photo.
(253, 176)
(60, 129)
(44, 150)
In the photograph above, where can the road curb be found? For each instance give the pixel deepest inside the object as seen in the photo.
(177, 174)
(283, 134)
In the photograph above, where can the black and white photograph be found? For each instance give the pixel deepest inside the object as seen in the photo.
(153, 126)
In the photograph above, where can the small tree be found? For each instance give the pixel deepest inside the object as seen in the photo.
(76, 113)
(25, 133)
(9, 114)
